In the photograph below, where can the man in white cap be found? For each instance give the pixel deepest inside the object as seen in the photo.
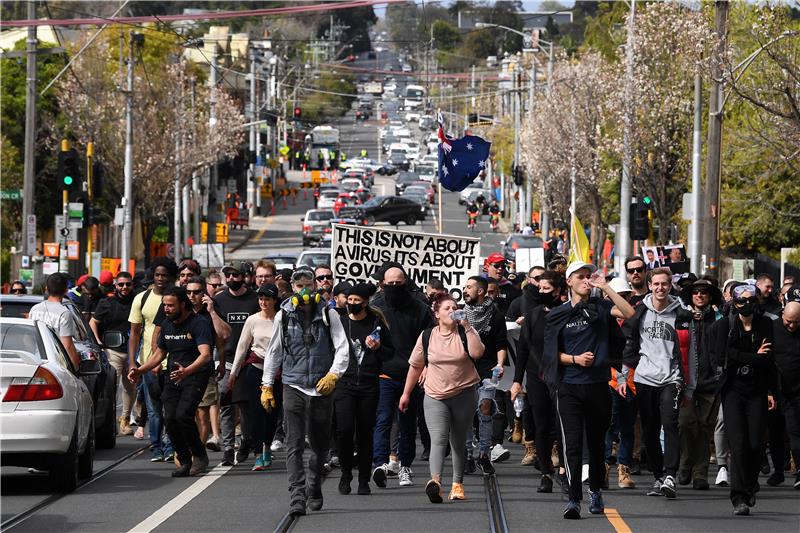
(576, 364)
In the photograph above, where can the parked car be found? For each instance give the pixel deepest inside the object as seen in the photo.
(428, 189)
(315, 222)
(102, 384)
(314, 258)
(351, 184)
(517, 241)
(327, 199)
(284, 260)
(426, 172)
(403, 180)
(47, 412)
(392, 209)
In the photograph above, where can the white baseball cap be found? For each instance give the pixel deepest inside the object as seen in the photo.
(577, 265)
(619, 285)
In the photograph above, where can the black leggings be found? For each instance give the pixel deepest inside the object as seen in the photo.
(745, 422)
(260, 425)
(355, 416)
(544, 421)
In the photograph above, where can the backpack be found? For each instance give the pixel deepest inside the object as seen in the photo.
(426, 341)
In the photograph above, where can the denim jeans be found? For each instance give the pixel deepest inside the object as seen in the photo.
(623, 418)
(389, 393)
(159, 441)
(486, 423)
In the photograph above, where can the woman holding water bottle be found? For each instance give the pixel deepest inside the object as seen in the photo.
(447, 351)
(356, 395)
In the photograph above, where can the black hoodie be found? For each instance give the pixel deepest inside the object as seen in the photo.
(522, 305)
(364, 376)
(406, 323)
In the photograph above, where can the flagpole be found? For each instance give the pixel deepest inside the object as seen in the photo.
(441, 215)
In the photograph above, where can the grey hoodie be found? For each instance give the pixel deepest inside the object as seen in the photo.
(658, 365)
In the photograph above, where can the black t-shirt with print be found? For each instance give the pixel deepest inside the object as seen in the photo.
(234, 310)
(181, 340)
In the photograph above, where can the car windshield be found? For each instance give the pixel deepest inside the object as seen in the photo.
(320, 215)
(374, 202)
(330, 194)
(316, 259)
(526, 241)
(20, 338)
(416, 189)
(407, 177)
(425, 169)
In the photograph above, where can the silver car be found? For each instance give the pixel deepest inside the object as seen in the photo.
(316, 224)
(46, 410)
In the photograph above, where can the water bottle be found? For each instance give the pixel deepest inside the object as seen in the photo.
(376, 335)
(519, 404)
(496, 376)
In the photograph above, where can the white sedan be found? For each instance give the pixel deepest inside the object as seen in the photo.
(46, 410)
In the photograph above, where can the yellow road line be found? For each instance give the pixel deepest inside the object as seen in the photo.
(616, 520)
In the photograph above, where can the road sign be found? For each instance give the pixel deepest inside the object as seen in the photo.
(51, 249)
(31, 233)
(26, 261)
(222, 233)
(11, 194)
(75, 210)
(49, 267)
(73, 250)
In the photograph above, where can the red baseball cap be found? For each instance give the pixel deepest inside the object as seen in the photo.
(81, 280)
(494, 259)
(106, 278)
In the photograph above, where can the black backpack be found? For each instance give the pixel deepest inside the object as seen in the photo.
(426, 341)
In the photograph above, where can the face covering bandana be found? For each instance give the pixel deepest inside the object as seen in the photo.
(235, 285)
(354, 309)
(396, 295)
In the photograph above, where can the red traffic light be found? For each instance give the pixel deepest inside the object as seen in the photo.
(298, 112)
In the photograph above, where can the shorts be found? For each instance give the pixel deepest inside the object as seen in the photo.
(211, 396)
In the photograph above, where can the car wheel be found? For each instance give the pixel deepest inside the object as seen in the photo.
(369, 221)
(64, 467)
(411, 220)
(86, 459)
(106, 436)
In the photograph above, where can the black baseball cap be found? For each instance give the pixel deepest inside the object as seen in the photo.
(269, 290)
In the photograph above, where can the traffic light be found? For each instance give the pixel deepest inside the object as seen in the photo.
(640, 222)
(519, 176)
(298, 112)
(69, 169)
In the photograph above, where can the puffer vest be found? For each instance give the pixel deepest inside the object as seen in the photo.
(307, 354)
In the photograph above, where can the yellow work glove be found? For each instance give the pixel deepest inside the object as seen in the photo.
(267, 398)
(326, 385)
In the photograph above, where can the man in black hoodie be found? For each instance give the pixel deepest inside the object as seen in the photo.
(407, 318)
(111, 315)
(529, 298)
(787, 358)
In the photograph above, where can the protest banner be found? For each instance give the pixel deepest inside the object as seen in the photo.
(358, 251)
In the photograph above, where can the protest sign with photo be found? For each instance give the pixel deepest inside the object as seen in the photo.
(358, 251)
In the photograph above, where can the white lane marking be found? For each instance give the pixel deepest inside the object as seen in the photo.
(179, 501)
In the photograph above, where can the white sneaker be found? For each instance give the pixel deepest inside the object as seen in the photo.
(405, 476)
(722, 477)
(276, 445)
(499, 454)
(213, 443)
(393, 468)
(585, 474)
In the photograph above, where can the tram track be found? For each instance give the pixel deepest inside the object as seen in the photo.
(494, 505)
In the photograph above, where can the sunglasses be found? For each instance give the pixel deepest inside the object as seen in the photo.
(17, 291)
(190, 292)
(215, 285)
(124, 284)
(535, 278)
(637, 270)
(233, 274)
(742, 301)
(700, 291)
(324, 277)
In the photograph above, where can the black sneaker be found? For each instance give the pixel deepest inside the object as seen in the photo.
(776, 479)
(379, 475)
(469, 467)
(546, 485)
(315, 501)
(684, 478)
(741, 509)
(573, 510)
(668, 488)
(297, 508)
(182, 471)
(563, 482)
(363, 488)
(700, 484)
(426, 455)
(655, 490)
(228, 459)
(344, 484)
(241, 455)
(434, 491)
(485, 464)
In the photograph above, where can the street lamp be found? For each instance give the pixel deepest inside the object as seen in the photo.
(486, 25)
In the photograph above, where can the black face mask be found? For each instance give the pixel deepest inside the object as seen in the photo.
(235, 285)
(354, 309)
(745, 310)
(549, 299)
(396, 295)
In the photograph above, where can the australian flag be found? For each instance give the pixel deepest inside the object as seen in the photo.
(461, 160)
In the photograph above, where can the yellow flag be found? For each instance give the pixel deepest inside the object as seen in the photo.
(578, 243)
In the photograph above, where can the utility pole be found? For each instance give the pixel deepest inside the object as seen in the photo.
(714, 142)
(90, 206)
(623, 236)
(195, 178)
(178, 197)
(212, 122)
(695, 228)
(127, 199)
(251, 180)
(30, 135)
(516, 104)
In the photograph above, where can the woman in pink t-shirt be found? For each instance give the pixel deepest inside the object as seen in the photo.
(449, 377)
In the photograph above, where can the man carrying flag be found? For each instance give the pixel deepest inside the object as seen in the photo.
(460, 160)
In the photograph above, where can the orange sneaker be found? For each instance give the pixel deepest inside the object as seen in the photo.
(457, 492)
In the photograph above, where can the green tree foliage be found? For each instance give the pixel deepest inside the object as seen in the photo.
(446, 35)
(328, 97)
